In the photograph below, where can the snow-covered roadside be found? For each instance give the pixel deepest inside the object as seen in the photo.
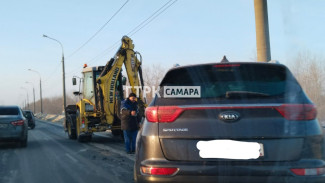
(50, 117)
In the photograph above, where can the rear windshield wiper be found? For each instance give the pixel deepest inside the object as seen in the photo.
(246, 94)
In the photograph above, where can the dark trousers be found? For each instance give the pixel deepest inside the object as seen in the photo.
(130, 137)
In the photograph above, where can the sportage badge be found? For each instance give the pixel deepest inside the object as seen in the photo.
(229, 116)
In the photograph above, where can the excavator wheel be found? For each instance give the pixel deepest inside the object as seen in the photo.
(71, 126)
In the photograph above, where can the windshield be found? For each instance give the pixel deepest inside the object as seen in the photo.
(88, 85)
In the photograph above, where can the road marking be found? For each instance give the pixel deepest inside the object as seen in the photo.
(72, 158)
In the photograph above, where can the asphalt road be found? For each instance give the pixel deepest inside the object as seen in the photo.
(53, 158)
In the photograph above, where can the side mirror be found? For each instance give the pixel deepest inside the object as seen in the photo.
(74, 81)
(123, 80)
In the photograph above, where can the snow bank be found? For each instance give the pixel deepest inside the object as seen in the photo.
(50, 117)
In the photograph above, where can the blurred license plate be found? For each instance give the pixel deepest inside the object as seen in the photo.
(230, 149)
(3, 125)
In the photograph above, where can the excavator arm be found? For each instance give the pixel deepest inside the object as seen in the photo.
(106, 82)
(99, 108)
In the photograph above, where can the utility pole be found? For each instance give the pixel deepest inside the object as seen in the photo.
(63, 72)
(262, 31)
(27, 96)
(34, 98)
(40, 88)
(33, 93)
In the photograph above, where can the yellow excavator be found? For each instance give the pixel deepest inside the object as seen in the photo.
(102, 92)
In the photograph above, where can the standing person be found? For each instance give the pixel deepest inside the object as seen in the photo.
(129, 122)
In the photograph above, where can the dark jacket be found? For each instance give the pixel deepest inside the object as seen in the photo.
(129, 122)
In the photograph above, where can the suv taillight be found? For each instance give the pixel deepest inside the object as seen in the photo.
(158, 170)
(18, 123)
(297, 111)
(308, 171)
(151, 114)
(163, 114)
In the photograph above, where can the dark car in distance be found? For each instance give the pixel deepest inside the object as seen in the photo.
(30, 117)
(251, 123)
(13, 125)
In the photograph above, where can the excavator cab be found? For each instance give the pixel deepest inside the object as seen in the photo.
(88, 84)
(90, 74)
(89, 78)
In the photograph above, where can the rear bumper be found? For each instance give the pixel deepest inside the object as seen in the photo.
(232, 179)
(12, 134)
(232, 172)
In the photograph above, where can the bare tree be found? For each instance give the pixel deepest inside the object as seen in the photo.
(310, 73)
(53, 105)
(152, 76)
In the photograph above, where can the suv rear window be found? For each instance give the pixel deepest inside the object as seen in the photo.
(236, 80)
(9, 111)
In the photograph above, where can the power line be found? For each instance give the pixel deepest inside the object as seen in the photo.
(153, 18)
(149, 17)
(100, 55)
(105, 51)
(133, 31)
(100, 29)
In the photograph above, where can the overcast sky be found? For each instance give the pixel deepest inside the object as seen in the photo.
(188, 32)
